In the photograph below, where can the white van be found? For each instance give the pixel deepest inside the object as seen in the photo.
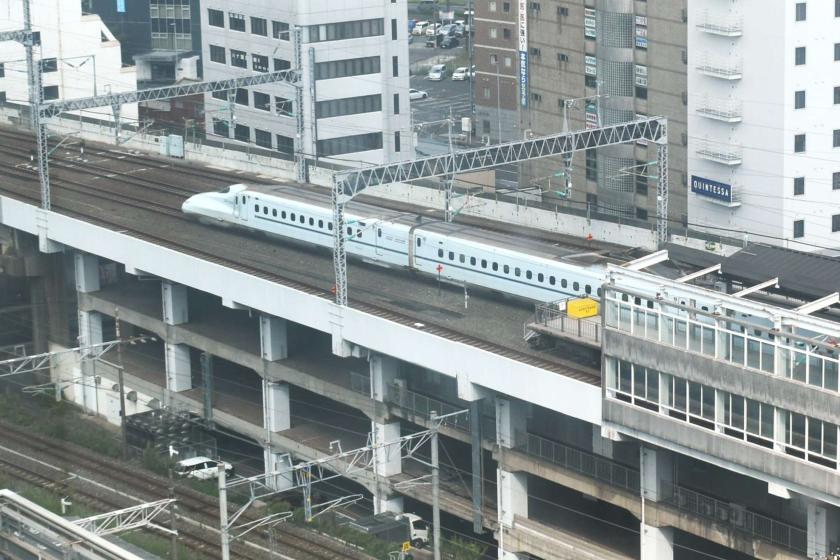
(420, 28)
(201, 468)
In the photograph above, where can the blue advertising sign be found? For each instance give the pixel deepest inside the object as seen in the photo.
(711, 189)
(523, 78)
(121, 6)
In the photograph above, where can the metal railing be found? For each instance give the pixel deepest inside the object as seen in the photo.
(754, 524)
(727, 110)
(726, 68)
(360, 383)
(720, 152)
(552, 317)
(587, 464)
(718, 24)
(420, 405)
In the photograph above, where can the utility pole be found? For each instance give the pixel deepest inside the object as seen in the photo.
(435, 487)
(173, 525)
(36, 97)
(120, 373)
(224, 528)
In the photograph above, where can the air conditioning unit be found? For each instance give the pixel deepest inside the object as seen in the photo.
(485, 139)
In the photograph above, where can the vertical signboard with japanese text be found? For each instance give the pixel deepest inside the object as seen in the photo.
(523, 53)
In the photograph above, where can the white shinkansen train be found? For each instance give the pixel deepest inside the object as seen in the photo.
(455, 253)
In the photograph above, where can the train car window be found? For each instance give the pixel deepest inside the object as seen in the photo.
(624, 297)
(551, 280)
(599, 292)
(506, 269)
(588, 289)
(495, 266)
(379, 232)
(576, 286)
(302, 218)
(564, 283)
(329, 226)
(256, 207)
(472, 261)
(274, 212)
(451, 256)
(293, 217)
(311, 221)
(462, 258)
(516, 271)
(321, 224)
(528, 274)
(419, 241)
(283, 214)
(265, 210)
(637, 301)
(359, 233)
(650, 306)
(540, 277)
(440, 253)
(483, 263)
(349, 231)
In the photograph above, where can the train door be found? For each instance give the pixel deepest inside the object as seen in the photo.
(240, 207)
(379, 241)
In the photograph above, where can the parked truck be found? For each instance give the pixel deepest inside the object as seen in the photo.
(394, 527)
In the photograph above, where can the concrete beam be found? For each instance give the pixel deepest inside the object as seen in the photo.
(87, 272)
(388, 458)
(657, 472)
(277, 411)
(511, 496)
(278, 463)
(178, 367)
(175, 311)
(384, 370)
(511, 419)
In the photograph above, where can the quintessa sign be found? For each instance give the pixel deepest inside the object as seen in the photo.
(711, 189)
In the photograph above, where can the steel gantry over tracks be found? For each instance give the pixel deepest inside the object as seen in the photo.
(347, 184)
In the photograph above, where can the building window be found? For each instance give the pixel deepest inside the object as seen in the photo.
(799, 99)
(835, 181)
(262, 101)
(49, 65)
(280, 64)
(220, 128)
(285, 144)
(259, 26)
(590, 81)
(393, 30)
(262, 138)
(348, 106)
(396, 103)
(236, 22)
(221, 94)
(350, 144)
(798, 229)
(347, 67)
(508, 62)
(835, 223)
(491, 6)
(506, 33)
(798, 186)
(397, 142)
(836, 51)
(50, 92)
(799, 143)
(238, 58)
(259, 63)
(486, 92)
(242, 133)
(493, 33)
(506, 7)
(494, 60)
(217, 54)
(836, 138)
(241, 97)
(280, 30)
(2, 97)
(837, 92)
(801, 10)
(485, 128)
(215, 18)
(591, 164)
(799, 56)
(346, 30)
(641, 214)
(2, 70)
(641, 92)
(284, 106)
(836, 8)
(395, 66)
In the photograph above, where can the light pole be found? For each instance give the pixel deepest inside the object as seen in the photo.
(498, 99)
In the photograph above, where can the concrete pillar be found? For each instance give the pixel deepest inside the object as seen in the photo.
(178, 367)
(90, 328)
(600, 445)
(657, 480)
(823, 529)
(657, 543)
(277, 411)
(383, 371)
(512, 496)
(511, 421)
(174, 303)
(87, 272)
(90, 332)
(281, 464)
(274, 342)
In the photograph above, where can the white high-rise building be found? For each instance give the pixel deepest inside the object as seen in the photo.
(355, 76)
(764, 119)
(79, 56)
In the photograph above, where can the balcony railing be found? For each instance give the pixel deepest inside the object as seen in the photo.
(754, 524)
(720, 24)
(729, 68)
(724, 110)
(551, 318)
(719, 152)
(421, 406)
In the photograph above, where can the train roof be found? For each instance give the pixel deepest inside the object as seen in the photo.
(534, 247)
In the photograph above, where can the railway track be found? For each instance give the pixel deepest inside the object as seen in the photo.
(193, 506)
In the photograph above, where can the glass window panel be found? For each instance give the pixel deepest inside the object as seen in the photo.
(753, 353)
(784, 362)
(680, 333)
(814, 436)
(708, 403)
(830, 441)
(800, 363)
(768, 357)
(753, 416)
(639, 381)
(709, 341)
(668, 330)
(638, 321)
(652, 325)
(694, 337)
(767, 421)
(725, 340)
(624, 318)
(737, 412)
(679, 394)
(624, 376)
(831, 374)
(796, 430)
(612, 314)
(652, 385)
(815, 371)
(738, 349)
(695, 398)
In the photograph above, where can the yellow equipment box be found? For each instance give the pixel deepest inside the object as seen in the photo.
(582, 308)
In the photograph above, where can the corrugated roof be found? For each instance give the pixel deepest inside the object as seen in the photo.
(800, 274)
